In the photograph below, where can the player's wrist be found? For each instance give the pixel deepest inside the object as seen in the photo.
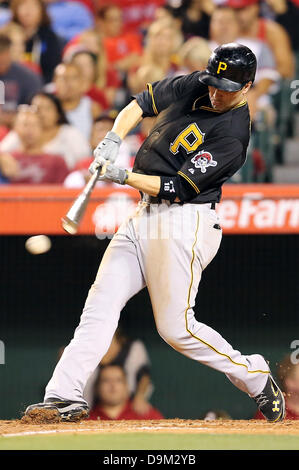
(120, 176)
(126, 177)
(168, 188)
(111, 135)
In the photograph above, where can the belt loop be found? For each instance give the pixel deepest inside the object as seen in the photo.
(213, 205)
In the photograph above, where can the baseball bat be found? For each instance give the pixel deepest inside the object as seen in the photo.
(71, 221)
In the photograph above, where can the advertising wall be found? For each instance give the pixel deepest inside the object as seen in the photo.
(244, 209)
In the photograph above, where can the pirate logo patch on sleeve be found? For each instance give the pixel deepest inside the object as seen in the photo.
(203, 160)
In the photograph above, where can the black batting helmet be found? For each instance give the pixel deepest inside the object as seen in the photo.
(230, 67)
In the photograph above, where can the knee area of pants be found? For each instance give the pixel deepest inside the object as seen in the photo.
(170, 336)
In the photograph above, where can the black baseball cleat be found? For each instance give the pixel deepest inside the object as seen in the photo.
(271, 401)
(64, 410)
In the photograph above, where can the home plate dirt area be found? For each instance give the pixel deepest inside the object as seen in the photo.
(20, 428)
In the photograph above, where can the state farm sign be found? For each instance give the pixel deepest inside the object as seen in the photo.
(251, 216)
(265, 211)
(260, 208)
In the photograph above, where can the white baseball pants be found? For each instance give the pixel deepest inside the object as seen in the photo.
(164, 247)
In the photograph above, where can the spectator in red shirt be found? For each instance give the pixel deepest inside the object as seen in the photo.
(122, 49)
(107, 78)
(32, 165)
(288, 375)
(112, 397)
(137, 14)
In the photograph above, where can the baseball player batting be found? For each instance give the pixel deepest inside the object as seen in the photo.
(199, 140)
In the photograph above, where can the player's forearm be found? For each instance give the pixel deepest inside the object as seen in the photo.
(148, 184)
(127, 119)
(165, 187)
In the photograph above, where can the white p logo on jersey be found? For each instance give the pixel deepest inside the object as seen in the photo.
(202, 160)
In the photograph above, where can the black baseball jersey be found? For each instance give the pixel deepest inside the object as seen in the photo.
(194, 148)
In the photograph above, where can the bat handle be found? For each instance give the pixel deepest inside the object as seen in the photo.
(91, 183)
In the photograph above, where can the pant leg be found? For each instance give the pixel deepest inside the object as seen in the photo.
(172, 269)
(118, 279)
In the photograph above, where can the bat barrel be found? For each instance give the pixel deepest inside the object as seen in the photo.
(71, 221)
(69, 226)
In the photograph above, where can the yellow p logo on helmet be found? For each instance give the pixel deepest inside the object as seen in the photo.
(221, 66)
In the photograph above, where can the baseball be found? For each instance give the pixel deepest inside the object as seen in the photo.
(38, 244)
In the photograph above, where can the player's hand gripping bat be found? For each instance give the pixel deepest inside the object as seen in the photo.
(71, 221)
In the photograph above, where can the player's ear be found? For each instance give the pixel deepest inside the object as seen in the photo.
(246, 88)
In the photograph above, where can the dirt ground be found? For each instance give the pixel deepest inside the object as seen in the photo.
(160, 426)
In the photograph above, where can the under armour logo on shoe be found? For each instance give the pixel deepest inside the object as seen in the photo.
(275, 402)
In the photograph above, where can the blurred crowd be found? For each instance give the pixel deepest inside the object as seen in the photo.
(68, 67)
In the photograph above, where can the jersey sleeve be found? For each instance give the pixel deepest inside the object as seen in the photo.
(212, 161)
(160, 95)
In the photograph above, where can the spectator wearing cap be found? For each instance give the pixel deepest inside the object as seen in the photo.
(288, 375)
(69, 18)
(58, 137)
(20, 83)
(101, 125)
(30, 165)
(224, 29)
(273, 34)
(112, 397)
(43, 47)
